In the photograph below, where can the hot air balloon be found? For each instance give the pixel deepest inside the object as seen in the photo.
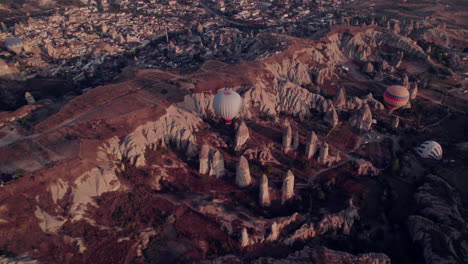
(430, 149)
(227, 104)
(395, 97)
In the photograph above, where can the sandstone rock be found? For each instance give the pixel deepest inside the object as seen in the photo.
(413, 91)
(264, 197)
(7, 72)
(311, 145)
(274, 233)
(287, 190)
(440, 219)
(323, 156)
(362, 118)
(295, 141)
(244, 239)
(405, 81)
(216, 164)
(242, 135)
(323, 255)
(365, 167)
(372, 102)
(287, 136)
(331, 117)
(29, 98)
(340, 99)
(243, 178)
(395, 122)
(369, 68)
(341, 221)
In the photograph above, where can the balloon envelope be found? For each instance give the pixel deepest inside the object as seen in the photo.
(430, 149)
(227, 104)
(395, 97)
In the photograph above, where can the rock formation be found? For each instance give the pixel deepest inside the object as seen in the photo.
(365, 167)
(264, 196)
(287, 136)
(362, 118)
(323, 156)
(216, 164)
(413, 91)
(311, 145)
(29, 98)
(242, 135)
(204, 164)
(440, 220)
(274, 233)
(244, 239)
(331, 117)
(262, 154)
(340, 99)
(325, 255)
(341, 221)
(243, 178)
(369, 68)
(287, 190)
(295, 141)
(395, 122)
(405, 81)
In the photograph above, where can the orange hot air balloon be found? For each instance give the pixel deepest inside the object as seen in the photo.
(395, 97)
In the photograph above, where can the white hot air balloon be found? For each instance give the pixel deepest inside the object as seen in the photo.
(430, 149)
(227, 104)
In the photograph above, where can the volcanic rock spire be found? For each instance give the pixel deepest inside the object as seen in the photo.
(203, 160)
(216, 164)
(295, 141)
(331, 117)
(264, 197)
(323, 157)
(244, 239)
(243, 178)
(311, 145)
(362, 119)
(287, 190)
(242, 135)
(340, 99)
(287, 136)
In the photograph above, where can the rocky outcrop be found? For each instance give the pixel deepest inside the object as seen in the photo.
(287, 190)
(264, 195)
(340, 99)
(323, 255)
(10, 73)
(29, 98)
(295, 141)
(311, 145)
(395, 122)
(204, 163)
(174, 127)
(439, 225)
(341, 221)
(244, 238)
(368, 68)
(365, 167)
(216, 164)
(287, 137)
(243, 178)
(413, 91)
(262, 154)
(331, 117)
(242, 135)
(323, 156)
(362, 118)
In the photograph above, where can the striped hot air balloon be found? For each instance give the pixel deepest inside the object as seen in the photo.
(395, 97)
(227, 104)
